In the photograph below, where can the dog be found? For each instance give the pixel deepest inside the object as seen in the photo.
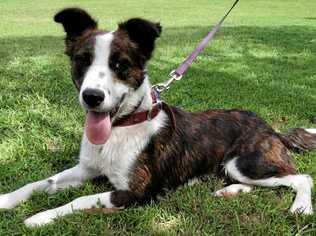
(144, 146)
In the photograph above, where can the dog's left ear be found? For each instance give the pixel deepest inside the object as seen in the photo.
(142, 32)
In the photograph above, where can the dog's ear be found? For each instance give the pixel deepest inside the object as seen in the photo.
(75, 22)
(143, 33)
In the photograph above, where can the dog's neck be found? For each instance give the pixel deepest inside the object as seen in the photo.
(137, 101)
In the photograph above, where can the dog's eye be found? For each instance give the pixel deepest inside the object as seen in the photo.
(122, 65)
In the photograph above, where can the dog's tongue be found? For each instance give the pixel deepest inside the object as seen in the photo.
(98, 127)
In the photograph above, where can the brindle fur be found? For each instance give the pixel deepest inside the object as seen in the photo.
(203, 142)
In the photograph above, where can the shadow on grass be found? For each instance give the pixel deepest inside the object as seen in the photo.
(266, 69)
(289, 40)
(310, 18)
(13, 47)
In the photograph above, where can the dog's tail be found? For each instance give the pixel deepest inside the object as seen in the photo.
(300, 140)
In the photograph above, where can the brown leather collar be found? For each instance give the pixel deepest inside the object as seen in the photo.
(139, 117)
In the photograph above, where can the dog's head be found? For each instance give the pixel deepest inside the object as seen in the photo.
(106, 65)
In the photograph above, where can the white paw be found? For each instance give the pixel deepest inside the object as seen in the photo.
(193, 181)
(222, 193)
(311, 131)
(232, 190)
(301, 207)
(7, 201)
(41, 219)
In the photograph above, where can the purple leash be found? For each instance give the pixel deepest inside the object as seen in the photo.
(180, 71)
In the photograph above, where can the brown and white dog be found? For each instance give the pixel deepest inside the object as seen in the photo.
(142, 158)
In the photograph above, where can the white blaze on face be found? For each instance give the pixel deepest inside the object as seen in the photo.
(99, 75)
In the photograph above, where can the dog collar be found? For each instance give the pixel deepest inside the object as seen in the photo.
(139, 117)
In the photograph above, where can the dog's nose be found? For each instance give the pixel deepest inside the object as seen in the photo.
(93, 97)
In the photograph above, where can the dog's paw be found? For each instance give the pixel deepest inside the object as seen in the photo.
(232, 190)
(302, 207)
(7, 201)
(40, 219)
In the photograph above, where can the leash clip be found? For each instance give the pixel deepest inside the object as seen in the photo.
(173, 74)
(159, 88)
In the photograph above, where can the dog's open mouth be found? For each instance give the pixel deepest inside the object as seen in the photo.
(98, 127)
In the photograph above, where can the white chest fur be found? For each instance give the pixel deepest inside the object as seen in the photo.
(117, 156)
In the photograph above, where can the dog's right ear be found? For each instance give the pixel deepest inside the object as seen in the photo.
(75, 22)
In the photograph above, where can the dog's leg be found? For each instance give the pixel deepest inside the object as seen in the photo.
(72, 177)
(139, 181)
(302, 184)
(233, 189)
(109, 200)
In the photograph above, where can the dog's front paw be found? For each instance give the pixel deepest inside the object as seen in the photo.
(40, 219)
(7, 201)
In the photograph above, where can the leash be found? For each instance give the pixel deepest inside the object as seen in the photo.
(177, 74)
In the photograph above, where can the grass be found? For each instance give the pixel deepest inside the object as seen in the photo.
(263, 59)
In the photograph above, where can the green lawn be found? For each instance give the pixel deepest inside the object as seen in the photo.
(263, 59)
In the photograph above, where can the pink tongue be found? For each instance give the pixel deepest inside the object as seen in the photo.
(98, 127)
